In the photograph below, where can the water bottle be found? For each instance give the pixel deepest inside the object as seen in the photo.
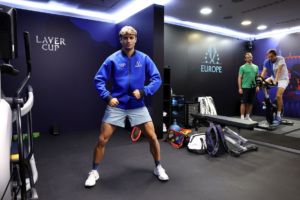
(174, 126)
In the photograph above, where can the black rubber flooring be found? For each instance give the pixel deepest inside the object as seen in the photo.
(126, 172)
(285, 136)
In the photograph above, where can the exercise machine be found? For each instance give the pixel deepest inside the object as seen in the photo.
(271, 107)
(18, 171)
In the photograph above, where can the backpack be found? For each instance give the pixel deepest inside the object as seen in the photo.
(197, 144)
(215, 140)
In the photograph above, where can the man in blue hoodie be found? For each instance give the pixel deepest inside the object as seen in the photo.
(127, 69)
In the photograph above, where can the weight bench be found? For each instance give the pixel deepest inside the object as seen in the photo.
(226, 121)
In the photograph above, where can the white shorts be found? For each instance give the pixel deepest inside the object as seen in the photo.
(281, 83)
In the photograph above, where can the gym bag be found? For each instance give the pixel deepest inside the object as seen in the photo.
(197, 144)
(178, 139)
(215, 140)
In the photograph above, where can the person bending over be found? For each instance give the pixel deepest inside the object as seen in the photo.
(127, 69)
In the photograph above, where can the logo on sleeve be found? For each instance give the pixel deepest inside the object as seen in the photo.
(122, 65)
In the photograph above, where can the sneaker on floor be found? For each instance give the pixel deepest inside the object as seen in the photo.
(92, 178)
(277, 120)
(161, 174)
(249, 119)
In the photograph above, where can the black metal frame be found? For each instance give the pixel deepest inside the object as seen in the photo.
(24, 165)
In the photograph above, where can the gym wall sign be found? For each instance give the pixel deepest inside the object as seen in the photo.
(49, 43)
(211, 62)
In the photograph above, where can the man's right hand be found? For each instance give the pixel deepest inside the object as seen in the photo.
(241, 91)
(113, 102)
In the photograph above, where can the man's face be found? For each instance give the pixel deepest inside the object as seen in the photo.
(248, 58)
(128, 41)
(271, 57)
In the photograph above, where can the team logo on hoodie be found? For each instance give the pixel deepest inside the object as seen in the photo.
(138, 64)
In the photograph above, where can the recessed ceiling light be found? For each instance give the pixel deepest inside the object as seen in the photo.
(246, 22)
(205, 11)
(262, 27)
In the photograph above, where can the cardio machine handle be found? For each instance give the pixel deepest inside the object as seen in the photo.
(261, 82)
(27, 50)
(28, 62)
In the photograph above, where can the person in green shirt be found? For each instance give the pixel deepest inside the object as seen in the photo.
(247, 86)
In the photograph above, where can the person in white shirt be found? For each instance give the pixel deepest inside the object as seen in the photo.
(277, 67)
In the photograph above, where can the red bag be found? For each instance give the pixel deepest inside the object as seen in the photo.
(178, 139)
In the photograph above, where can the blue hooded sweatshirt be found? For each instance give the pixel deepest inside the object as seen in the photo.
(127, 74)
(269, 65)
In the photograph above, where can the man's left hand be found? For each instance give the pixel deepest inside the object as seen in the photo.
(257, 89)
(136, 93)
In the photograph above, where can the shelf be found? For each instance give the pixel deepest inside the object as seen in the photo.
(167, 95)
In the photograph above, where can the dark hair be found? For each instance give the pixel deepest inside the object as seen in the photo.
(272, 51)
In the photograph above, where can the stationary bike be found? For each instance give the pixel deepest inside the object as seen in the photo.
(270, 106)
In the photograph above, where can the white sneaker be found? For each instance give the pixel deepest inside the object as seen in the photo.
(92, 178)
(160, 172)
(249, 119)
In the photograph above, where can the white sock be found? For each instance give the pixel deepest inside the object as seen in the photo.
(242, 117)
(247, 115)
(278, 113)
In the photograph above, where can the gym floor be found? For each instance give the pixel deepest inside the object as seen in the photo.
(126, 172)
(285, 137)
